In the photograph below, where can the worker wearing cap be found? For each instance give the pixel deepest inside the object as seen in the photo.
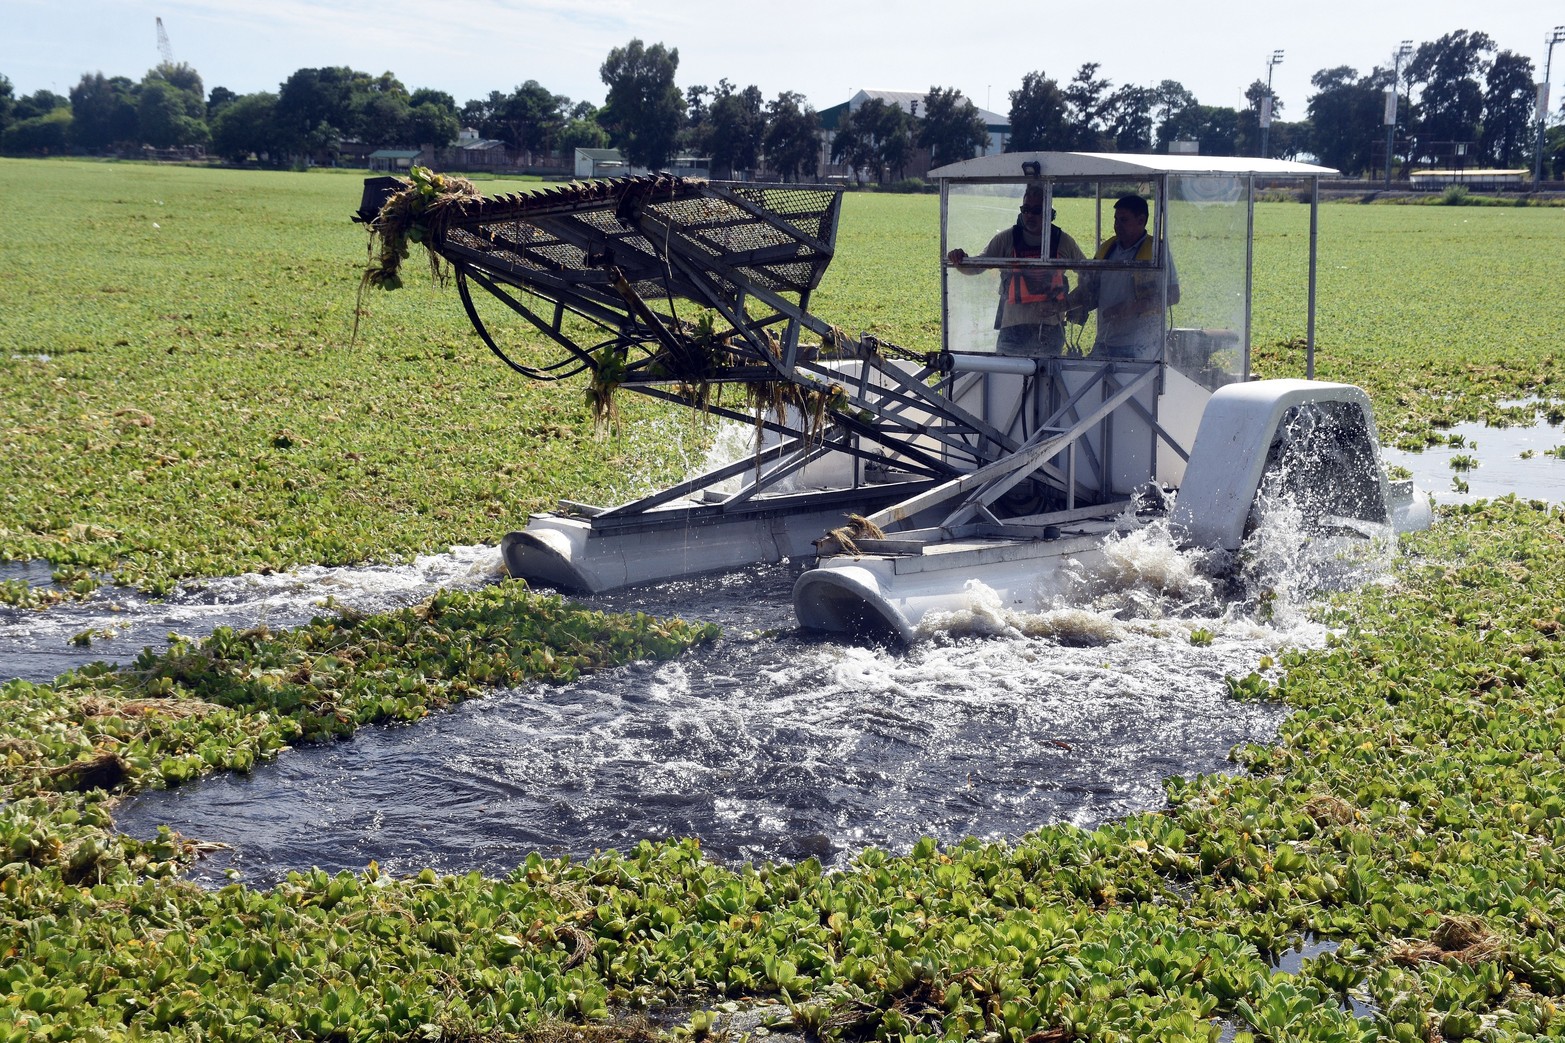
(1129, 303)
(1031, 312)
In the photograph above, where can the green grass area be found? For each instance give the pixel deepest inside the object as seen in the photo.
(202, 411)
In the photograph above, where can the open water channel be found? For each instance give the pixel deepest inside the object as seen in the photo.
(768, 744)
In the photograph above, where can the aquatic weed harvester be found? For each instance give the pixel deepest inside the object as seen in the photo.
(908, 477)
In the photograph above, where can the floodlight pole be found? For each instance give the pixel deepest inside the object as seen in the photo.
(1266, 103)
(1403, 51)
(1557, 36)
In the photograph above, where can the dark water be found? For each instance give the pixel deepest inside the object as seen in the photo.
(766, 745)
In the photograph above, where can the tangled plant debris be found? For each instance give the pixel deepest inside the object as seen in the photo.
(409, 217)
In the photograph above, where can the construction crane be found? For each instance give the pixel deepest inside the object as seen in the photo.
(163, 45)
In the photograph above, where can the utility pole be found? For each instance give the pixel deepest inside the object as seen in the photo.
(1557, 36)
(1404, 51)
(1266, 103)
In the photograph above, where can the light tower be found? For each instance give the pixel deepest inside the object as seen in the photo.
(1557, 36)
(1266, 103)
(1404, 51)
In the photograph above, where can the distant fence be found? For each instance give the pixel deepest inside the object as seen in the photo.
(1366, 185)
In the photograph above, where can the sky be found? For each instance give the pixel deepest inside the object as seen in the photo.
(824, 49)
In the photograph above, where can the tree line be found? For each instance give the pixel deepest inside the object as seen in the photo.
(1457, 93)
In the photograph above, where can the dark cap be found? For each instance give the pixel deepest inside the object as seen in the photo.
(1132, 202)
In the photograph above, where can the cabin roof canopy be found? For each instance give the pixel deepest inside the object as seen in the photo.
(1123, 165)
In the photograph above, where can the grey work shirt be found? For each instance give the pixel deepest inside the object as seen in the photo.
(1131, 335)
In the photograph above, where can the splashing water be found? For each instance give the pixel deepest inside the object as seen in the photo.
(772, 744)
(1290, 559)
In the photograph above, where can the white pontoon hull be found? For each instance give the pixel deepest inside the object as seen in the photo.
(592, 554)
(894, 594)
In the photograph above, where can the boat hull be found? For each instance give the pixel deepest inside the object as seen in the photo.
(894, 595)
(589, 555)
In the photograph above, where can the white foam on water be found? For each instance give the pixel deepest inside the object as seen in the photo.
(691, 440)
(365, 588)
(1148, 560)
(1143, 581)
(731, 442)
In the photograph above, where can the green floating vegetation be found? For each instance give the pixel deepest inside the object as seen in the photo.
(1411, 811)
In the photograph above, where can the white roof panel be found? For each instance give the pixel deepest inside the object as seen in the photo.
(1122, 164)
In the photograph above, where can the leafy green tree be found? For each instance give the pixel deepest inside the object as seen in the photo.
(738, 128)
(1248, 142)
(1255, 94)
(432, 118)
(429, 96)
(1289, 140)
(952, 130)
(1086, 102)
(1214, 128)
(582, 132)
(1128, 118)
(1450, 103)
(104, 112)
(1170, 99)
(315, 108)
(318, 108)
(478, 113)
(876, 136)
(1346, 115)
(793, 145)
(432, 124)
(1554, 152)
(45, 135)
(248, 125)
(171, 107)
(697, 103)
(1508, 102)
(181, 76)
(530, 117)
(39, 103)
(852, 144)
(7, 101)
(216, 99)
(381, 118)
(1037, 115)
(644, 110)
